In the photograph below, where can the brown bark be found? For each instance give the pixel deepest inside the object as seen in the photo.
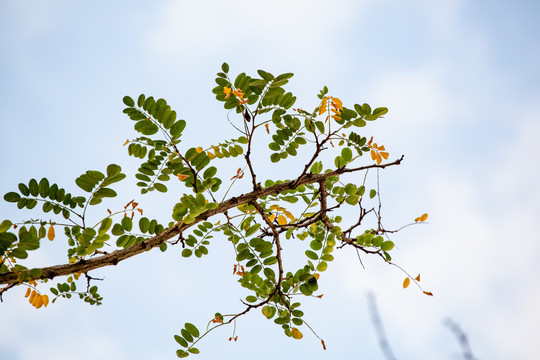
(115, 257)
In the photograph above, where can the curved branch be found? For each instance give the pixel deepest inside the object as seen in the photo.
(115, 257)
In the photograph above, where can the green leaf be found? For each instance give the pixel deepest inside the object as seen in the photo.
(372, 193)
(253, 229)
(128, 101)
(377, 241)
(210, 172)
(192, 329)
(180, 340)
(315, 245)
(275, 157)
(225, 67)
(316, 168)
(320, 126)
(312, 255)
(105, 226)
(346, 154)
(12, 197)
(144, 224)
(140, 100)
(251, 298)
(146, 127)
(127, 223)
(34, 187)
(19, 253)
(117, 230)
(24, 189)
(187, 253)
(186, 335)
(6, 239)
(182, 353)
(380, 111)
(5, 225)
(44, 188)
(339, 162)
(160, 187)
(105, 192)
(387, 245)
(177, 128)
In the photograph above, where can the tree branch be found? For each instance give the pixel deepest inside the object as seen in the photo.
(115, 257)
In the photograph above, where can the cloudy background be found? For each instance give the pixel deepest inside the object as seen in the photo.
(461, 80)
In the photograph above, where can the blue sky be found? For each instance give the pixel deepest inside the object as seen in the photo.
(461, 81)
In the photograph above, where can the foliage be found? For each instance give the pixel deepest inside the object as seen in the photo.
(309, 208)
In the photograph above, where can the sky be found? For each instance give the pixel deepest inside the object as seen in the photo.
(461, 82)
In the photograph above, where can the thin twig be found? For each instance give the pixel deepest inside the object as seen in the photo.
(377, 324)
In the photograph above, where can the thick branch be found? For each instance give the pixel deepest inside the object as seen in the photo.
(115, 257)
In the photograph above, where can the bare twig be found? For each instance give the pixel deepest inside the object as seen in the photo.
(377, 324)
(462, 338)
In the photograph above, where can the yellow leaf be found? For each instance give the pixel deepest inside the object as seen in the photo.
(288, 214)
(238, 92)
(127, 142)
(316, 276)
(406, 282)
(39, 302)
(45, 300)
(140, 210)
(182, 177)
(373, 155)
(50, 233)
(322, 108)
(210, 155)
(76, 276)
(274, 207)
(423, 217)
(337, 103)
(199, 150)
(381, 148)
(379, 159)
(384, 154)
(32, 296)
(227, 92)
(336, 117)
(281, 220)
(28, 292)
(417, 278)
(296, 334)
(272, 217)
